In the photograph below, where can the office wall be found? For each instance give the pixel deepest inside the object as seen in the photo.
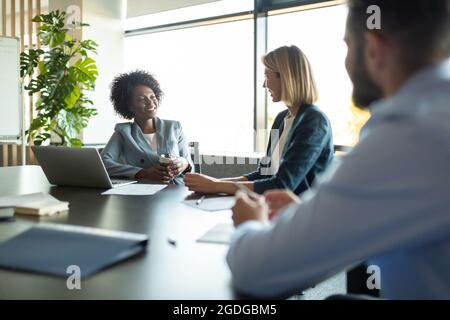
(62, 5)
(142, 7)
(106, 18)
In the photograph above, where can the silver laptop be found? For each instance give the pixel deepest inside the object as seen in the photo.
(75, 167)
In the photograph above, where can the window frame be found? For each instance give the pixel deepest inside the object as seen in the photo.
(262, 10)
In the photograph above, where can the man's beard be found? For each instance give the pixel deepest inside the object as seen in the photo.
(365, 91)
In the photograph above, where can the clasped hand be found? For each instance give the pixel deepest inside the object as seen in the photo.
(261, 208)
(164, 173)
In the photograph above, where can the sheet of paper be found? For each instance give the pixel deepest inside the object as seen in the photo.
(16, 200)
(136, 189)
(213, 203)
(220, 233)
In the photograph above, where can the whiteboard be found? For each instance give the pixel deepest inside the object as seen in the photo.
(10, 90)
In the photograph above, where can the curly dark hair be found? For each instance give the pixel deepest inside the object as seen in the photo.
(122, 89)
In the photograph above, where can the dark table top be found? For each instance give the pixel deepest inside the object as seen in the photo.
(188, 270)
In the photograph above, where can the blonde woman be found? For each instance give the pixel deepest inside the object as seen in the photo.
(300, 145)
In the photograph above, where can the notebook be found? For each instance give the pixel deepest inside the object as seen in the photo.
(53, 248)
(16, 200)
(42, 207)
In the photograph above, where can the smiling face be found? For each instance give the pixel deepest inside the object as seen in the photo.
(272, 83)
(144, 103)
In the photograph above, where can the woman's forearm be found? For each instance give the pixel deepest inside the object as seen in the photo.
(229, 187)
(235, 179)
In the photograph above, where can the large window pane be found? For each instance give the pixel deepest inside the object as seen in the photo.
(207, 76)
(320, 33)
(208, 10)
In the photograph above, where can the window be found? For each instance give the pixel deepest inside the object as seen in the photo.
(206, 74)
(320, 33)
(203, 57)
(208, 10)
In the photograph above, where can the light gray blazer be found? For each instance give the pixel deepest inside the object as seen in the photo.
(127, 151)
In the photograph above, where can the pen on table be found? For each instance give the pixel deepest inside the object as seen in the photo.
(200, 200)
(172, 240)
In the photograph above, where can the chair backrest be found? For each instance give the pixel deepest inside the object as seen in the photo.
(195, 156)
(341, 148)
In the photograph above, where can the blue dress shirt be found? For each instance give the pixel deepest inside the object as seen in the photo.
(388, 202)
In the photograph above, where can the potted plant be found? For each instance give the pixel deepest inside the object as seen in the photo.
(60, 73)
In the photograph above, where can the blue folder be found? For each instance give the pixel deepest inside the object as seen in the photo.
(52, 248)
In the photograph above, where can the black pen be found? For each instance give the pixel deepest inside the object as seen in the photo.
(172, 241)
(199, 200)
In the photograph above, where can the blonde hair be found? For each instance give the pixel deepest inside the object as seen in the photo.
(297, 81)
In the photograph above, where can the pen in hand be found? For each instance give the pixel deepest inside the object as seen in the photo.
(200, 200)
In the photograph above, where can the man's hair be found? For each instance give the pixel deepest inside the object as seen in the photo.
(297, 82)
(420, 27)
(122, 88)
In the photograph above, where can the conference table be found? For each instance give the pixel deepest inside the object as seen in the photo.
(184, 270)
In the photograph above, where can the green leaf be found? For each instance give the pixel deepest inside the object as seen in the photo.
(72, 98)
(75, 142)
(51, 71)
(85, 71)
(42, 69)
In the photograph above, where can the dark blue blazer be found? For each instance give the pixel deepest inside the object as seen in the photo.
(308, 152)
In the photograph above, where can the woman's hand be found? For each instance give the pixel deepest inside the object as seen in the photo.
(246, 209)
(178, 166)
(278, 199)
(156, 173)
(200, 183)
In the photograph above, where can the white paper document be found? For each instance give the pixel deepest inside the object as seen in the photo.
(136, 189)
(212, 204)
(18, 200)
(220, 233)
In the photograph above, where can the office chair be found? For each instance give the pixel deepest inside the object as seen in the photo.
(357, 276)
(195, 156)
(342, 148)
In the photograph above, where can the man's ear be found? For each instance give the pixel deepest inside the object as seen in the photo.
(375, 53)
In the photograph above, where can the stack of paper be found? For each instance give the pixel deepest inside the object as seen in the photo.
(34, 203)
(43, 207)
(138, 189)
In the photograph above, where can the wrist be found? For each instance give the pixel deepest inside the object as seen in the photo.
(224, 187)
(139, 174)
(185, 166)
